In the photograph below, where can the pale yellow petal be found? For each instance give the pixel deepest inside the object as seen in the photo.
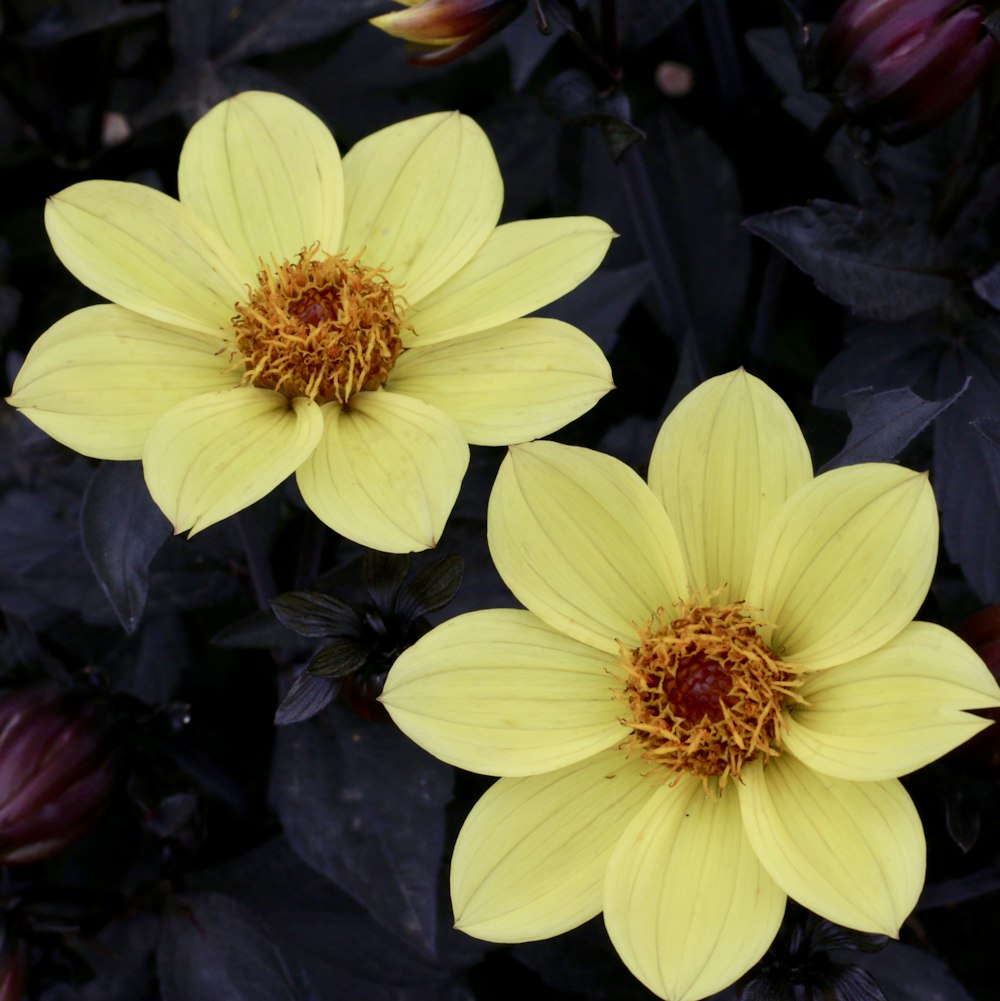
(215, 454)
(852, 852)
(422, 196)
(520, 268)
(387, 472)
(265, 173)
(530, 859)
(893, 710)
(147, 252)
(98, 379)
(725, 460)
(846, 563)
(687, 904)
(510, 384)
(580, 540)
(501, 693)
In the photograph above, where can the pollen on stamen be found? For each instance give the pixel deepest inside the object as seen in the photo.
(704, 693)
(325, 327)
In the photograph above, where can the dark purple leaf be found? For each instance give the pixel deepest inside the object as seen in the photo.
(989, 428)
(382, 574)
(98, 15)
(213, 947)
(257, 631)
(880, 266)
(599, 305)
(315, 614)
(334, 947)
(429, 589)
(364, 806)
(906, 973)
(260, 26)
(851, 983)
(642, 21)
(340, 657)
(766, 989)
(308, 696)
(883, 424)
(122, 530)
(966, 472)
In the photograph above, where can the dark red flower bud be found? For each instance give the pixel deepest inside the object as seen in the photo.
(903, 66)
(56, 772)
(982, 632)
(452, 27)
(12, 972)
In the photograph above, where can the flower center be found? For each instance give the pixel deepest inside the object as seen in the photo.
(704, 692)
(324, 328)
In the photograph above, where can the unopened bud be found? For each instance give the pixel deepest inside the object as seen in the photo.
(56, 772)
(449, 27)
(903, 66)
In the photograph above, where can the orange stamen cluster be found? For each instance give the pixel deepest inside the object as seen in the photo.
(704, 691)
(327, 328)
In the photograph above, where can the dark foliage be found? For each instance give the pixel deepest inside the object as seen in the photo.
(762, 222)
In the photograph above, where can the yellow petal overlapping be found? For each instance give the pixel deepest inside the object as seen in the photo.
(687, 904)
(722, 466)
(422, 198)
(521, 267)
(851, 851)
(832, 569)
(102, 377)
(539, 700)
(386, 472)
(146, 252)
(215, 454)
(530, 861)
(261, 184)
(516, 383)
(582, 543)
(893, 710)
(846, 563)
(281, 188)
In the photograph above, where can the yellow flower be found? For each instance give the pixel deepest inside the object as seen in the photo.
(357, 323)
(452, 27)
(707, 704)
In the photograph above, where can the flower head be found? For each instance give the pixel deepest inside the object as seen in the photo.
(707, 703)
(449, 27)
(354, 322)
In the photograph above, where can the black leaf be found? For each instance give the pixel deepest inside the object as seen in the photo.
(315, 614)
(880, 266)
(430, 589)
(338, 658)
(122, 530)
(214, 947)
(308, 696)
(883, 424)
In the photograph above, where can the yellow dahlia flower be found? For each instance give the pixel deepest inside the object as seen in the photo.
(356, 323)
(707, 704)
